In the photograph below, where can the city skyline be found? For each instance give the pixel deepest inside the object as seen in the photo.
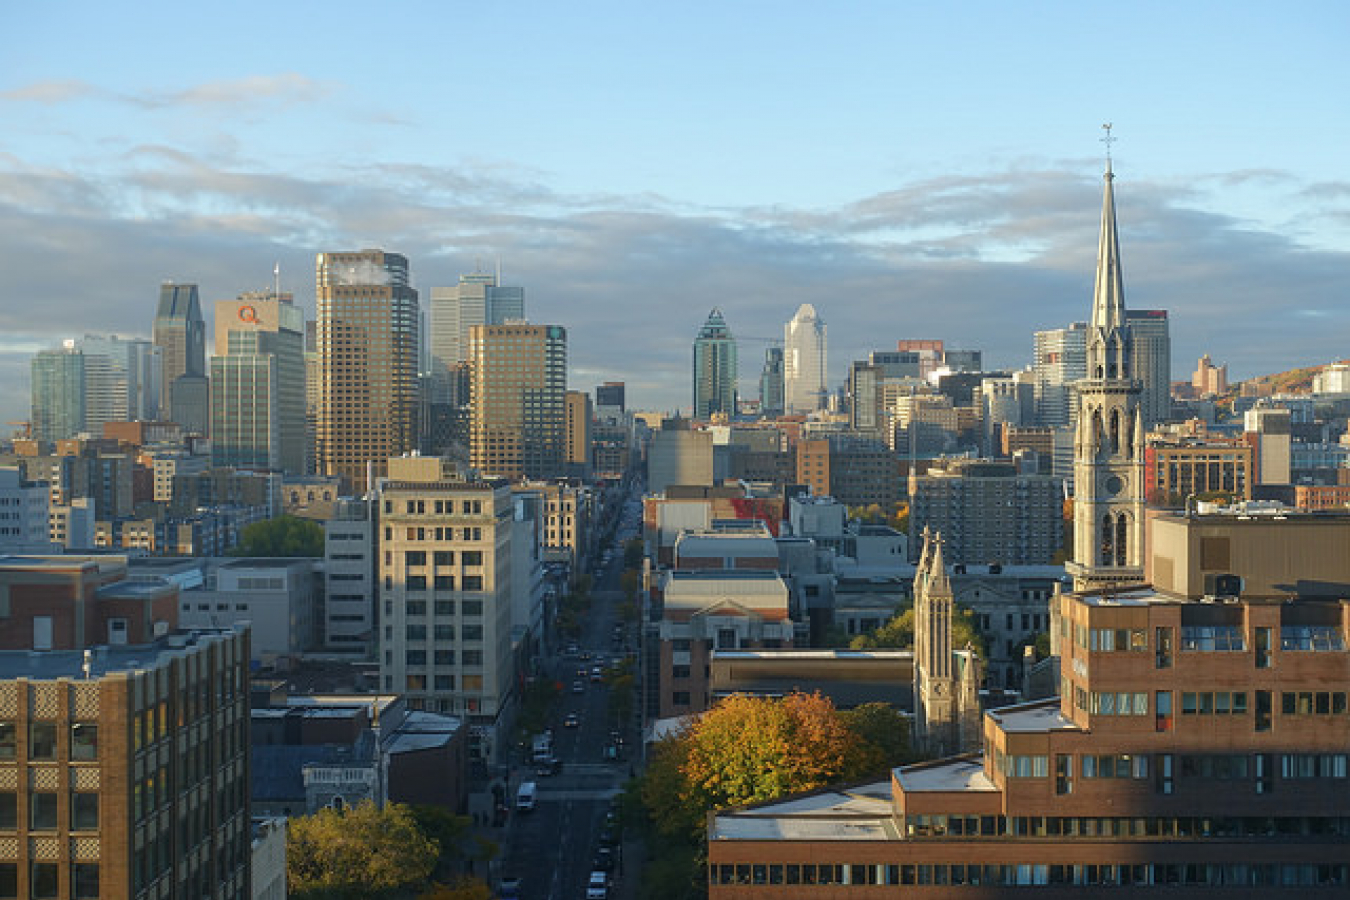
(901, 200)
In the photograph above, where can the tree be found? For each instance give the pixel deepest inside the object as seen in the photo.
(358, 852)
(749, 749)
(282, 536)
(899, 632)
(884, 728)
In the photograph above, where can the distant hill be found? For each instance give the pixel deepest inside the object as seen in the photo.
(1294, 381)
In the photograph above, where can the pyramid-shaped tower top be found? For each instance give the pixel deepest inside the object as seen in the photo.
(1108, 298)
(715, 327)
(938, 583)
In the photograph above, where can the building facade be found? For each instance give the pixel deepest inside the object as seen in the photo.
(368, 323)
(805, 388)
(446, 593)
(258, 384)
(518, 414)
(715, 372)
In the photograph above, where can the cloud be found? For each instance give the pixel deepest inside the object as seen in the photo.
(284, 89)
(981, 262)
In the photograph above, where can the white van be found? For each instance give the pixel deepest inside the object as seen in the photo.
(525, 797)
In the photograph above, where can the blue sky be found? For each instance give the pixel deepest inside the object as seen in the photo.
(911, 169)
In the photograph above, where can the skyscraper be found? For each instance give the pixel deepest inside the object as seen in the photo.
(258, 384)
(57, 393)
(180, 333)
(367, 341)
(1152, 343)
(771, 383)
(518, 406)
(476, 300)
(714, 368)
(1108, 506)
(1060, 362)
(804, 362)
(126, 381)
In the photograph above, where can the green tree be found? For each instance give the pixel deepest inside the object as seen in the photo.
(883, 727)
(281, 536)
(460, 889)
(632, 553)
(899, 632)
(360, 852)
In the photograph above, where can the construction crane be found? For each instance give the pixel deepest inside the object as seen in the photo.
(26, 433)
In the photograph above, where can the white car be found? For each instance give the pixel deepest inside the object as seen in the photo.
(598, 888)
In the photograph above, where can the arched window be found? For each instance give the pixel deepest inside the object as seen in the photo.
(1122, 538)
(1108, 530)
(1098, 433)
(337, 803)
(1115, 431)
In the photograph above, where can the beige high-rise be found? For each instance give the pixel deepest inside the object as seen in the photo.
(518, 416)
(367, 343)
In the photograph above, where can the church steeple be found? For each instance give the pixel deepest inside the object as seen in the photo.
(1108, 344)
(1109, 444)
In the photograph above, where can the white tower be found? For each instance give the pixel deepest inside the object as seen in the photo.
(804, 386)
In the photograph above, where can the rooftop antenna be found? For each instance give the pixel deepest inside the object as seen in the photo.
(276, 280)
(499, 270)
(1108, 141)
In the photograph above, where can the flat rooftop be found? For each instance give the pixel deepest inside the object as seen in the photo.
(961, 774)
(1029, 718)
(860, 813)
(49, 665)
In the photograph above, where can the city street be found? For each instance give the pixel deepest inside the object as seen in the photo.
(554, 848)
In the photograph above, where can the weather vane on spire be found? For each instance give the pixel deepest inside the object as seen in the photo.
(1108, 140)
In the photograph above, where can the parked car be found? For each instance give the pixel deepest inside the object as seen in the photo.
(572, 720)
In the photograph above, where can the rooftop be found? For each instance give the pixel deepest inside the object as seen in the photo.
(1041, 715)
(50, 665)
(859, 813)
(960, 774)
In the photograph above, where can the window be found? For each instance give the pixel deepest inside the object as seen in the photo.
(445, 607)
(83, 741)
(9, 879)
(415, 558)
(416, 607)
(42, 811)
(43, 880)
(1162, 710)
(680, 698)
(9, 811)
(444, 632)
(1311, 638)
(473, 582)
(84, 811)
(679, 672)
(472, 607)
(444, 657)
(7, 740)
(472, 632)
(84, 880)
(1212, 638)
(471, 557)
(445, 583)
(42, 740)
(444, 557)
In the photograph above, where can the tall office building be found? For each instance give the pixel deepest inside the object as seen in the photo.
(258, 384)
(476, 300)
(610, 395)
(771, 383)
(57, 385)
(1060, 362)
(715, 371)
(1108, 505)
(446, 570)
(368, 344)
(180, 333)
(1152, 346)
(518, 405)
(804, 362)
(124, 379)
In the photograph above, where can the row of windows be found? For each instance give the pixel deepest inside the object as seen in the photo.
(1313, 703)
(438, 534)
(937, 825)
(438, 557)
(438, 583)
(42, 811)
(42, 740)
(1162, 874)
(439, 507)
(469, 608)
(44, 880)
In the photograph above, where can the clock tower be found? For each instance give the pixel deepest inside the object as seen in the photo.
(1108, 503)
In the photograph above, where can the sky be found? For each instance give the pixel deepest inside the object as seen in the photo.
(913, 170)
